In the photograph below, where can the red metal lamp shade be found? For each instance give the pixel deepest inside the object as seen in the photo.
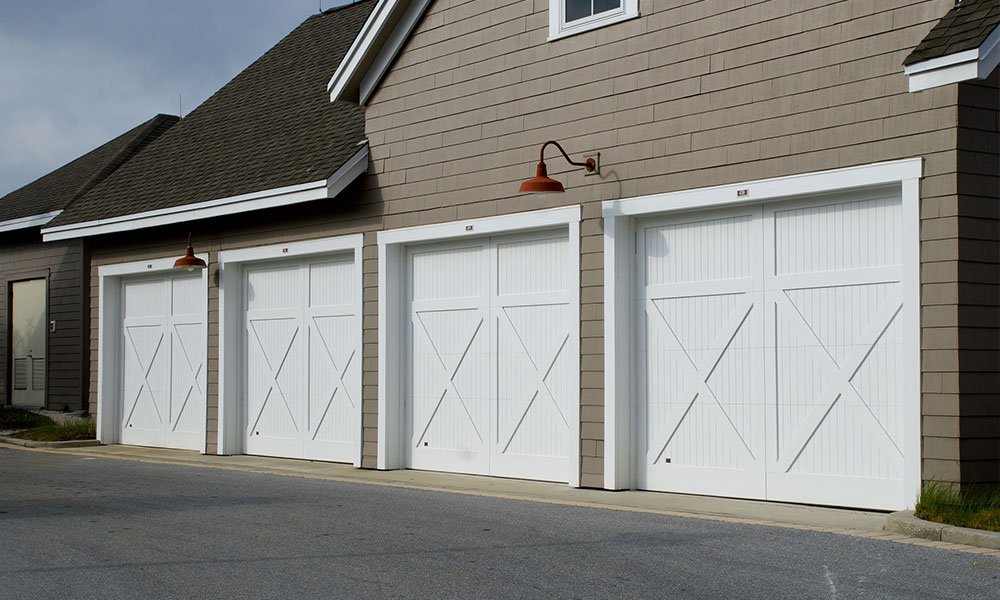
(189, 262)
(541, 183)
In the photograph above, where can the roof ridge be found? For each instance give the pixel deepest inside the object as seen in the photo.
(155, 126)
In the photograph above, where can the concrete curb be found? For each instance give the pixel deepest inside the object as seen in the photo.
(904, 522)
(34, 444)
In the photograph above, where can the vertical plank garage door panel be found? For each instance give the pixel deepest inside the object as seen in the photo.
(163, 362)
(836, 292)
(488, 327)
(770, 358)
(275, 354)
(300, 388)
(530, 315)
(333, 383)
(449, 385)
(701, 374)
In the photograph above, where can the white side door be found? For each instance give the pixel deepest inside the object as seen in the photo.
(700, 354)
(28, 299)
(164, 376)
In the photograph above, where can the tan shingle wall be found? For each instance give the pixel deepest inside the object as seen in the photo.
(978, 276)
(24, 256)
(689, 95)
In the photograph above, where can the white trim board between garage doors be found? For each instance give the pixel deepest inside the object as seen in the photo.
(620, 252)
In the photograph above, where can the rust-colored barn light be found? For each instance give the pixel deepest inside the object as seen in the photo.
(541, 183)
(189, 262)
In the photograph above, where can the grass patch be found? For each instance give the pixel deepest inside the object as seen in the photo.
(77, 429)
(977, 507)
(18, 418)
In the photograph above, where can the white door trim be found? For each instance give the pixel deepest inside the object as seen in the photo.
(231, 269)
(109, 346)
(391, 330)
(620, 218)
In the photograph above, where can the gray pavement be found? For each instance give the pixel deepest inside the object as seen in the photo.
(77, 525)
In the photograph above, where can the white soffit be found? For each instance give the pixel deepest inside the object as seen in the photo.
(294, 194)
(961, 66)
(26, 222)
(380, 40)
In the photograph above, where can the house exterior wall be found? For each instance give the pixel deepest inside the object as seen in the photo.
(978, 326)
(23, 256)
(688, 95)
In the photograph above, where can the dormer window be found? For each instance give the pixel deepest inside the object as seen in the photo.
(567, 17)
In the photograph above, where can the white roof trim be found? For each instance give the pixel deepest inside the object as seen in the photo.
(380, 40)
(953, 68)
(26, 222)
(294, 194)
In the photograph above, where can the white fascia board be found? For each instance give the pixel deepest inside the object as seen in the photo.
(294, 194)
(27, 222)
(953, 68)
(362, 47)
(389, 50)
(369, 57)
(769, 189)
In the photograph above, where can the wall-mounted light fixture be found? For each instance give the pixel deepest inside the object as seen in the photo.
(189, 262)
(542, 184)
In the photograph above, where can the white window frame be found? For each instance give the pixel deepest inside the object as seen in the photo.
(559, 28)
(620, 225)
(232, 264)
(392, 245)
(109, 342)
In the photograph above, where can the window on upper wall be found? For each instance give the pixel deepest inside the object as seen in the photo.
(567, 17)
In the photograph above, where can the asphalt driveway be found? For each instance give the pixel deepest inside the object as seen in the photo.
(84, 527)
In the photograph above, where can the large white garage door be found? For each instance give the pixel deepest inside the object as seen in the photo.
(300, 349)
(770, 354)
(490, 373)
(163, 363)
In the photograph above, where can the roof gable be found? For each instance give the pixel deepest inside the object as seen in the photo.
(270, 128)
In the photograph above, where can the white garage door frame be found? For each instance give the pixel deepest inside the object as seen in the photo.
(232, 266)
(392, 363)
(109, 344)
(620, 227)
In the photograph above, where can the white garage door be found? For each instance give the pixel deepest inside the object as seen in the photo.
(302, 388)
(770, 354)
(491, 372)
(164, 361)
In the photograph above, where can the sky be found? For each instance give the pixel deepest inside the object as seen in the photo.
(74, 75)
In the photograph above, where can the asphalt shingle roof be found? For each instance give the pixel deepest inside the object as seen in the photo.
(272, 126)
(59, 188)
(964, 27)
